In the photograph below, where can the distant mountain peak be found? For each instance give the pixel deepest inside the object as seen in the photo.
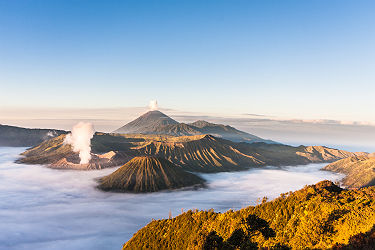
(154, 112)
(158, 123)
(201, 123)
(147, 122)
(156, 115)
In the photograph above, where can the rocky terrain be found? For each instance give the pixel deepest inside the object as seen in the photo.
(148, 174)
(56, 154)
(200, 153)
(359, 170)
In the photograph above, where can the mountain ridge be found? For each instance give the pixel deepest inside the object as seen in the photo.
(200, 153)
(156, 122)
(359, 170)
(13, 136)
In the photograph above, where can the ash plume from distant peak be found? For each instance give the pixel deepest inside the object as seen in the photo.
(80, 139)
(153, 105)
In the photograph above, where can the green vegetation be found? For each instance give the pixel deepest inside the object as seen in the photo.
(318, 216)
(364, 241)
(148, 174)
(359, 170)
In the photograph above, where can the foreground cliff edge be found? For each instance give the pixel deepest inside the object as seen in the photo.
(318, 216)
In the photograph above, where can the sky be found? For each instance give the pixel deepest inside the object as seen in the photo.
(307, 60)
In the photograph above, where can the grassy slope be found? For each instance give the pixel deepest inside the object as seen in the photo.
(317, 216)
(47, 152)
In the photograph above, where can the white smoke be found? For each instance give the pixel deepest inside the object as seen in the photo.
(80, 139)
(153, 105)
(51, 134)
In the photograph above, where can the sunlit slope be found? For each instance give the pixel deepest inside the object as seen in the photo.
(148, 174)
(317, 216)
(205, 154)
(202, 153)
(279, 155)
(210, 154)
(56, 154)
(359, 170)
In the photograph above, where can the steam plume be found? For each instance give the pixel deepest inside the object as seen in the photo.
(80, 139)
(153, 105)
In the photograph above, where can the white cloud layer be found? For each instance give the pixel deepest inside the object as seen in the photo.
(44, 208)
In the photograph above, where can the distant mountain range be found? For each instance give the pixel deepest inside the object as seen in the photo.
(11, 136)
(199, 147)
(200, 153)
(158, 123)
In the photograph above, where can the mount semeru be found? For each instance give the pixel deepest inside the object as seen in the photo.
(158, 123)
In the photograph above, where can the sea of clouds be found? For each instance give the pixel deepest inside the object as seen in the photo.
(42, 208)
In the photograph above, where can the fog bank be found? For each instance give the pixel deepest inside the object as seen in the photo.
(42, 208)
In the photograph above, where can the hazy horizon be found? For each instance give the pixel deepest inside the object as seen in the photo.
(352, 136)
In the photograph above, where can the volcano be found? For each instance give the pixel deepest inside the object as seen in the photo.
(148, 174)
(158, 123)
(147, 123)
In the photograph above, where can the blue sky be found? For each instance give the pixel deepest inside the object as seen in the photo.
(297, 59)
